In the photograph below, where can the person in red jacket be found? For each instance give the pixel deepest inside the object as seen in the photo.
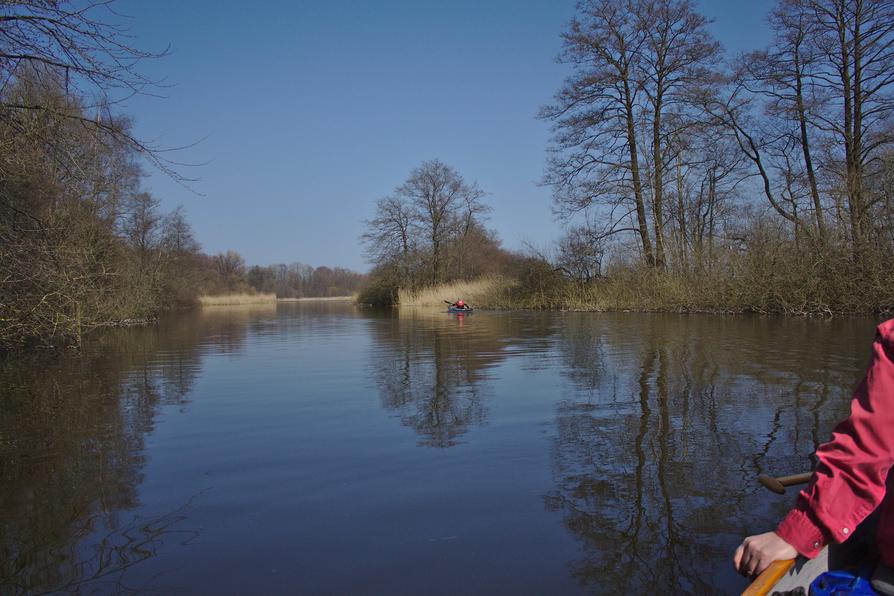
(459, 304)
(849, 482)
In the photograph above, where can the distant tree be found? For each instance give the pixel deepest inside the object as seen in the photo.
(442, 204)
(428, 230)
(262, 279)
(181, 271)
(230, 267)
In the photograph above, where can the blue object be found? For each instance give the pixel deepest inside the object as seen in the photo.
(835, 583)
(462, 310)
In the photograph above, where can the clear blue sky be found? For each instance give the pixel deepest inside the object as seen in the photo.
(308, 112)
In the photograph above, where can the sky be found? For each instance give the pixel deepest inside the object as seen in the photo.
(298, 116)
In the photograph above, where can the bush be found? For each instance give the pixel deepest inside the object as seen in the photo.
(380, 292)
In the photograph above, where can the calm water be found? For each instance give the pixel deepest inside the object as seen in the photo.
(316, 448)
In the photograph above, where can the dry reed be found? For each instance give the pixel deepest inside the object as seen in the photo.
(485, 292)
(237, 299)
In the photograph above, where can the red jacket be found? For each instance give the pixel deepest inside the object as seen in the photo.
(850, 478)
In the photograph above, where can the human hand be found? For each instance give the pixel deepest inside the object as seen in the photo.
(757, 552)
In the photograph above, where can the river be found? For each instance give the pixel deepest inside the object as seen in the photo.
(319, 448)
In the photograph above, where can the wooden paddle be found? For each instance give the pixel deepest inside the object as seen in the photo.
(777, 485)
(765, 582)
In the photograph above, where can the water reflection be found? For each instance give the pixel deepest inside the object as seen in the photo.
(432, 368)
(429, 369)
(72, 450)
(655, 453)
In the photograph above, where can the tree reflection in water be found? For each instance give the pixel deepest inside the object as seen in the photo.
(72, 442)
(431, 367)
(647, 447)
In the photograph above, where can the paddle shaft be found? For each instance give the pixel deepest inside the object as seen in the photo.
(778, 484)
(765, 582)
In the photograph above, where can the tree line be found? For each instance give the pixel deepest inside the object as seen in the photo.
(764, 177)
(298, 280)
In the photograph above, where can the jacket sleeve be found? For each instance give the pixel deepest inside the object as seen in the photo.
(849, 482)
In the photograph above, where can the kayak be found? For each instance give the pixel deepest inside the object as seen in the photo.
(459, 310)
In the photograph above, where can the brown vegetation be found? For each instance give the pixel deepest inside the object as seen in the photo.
(484, 292)
(774, 277)
(237, 299)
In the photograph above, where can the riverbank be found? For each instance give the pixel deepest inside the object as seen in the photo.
(319, 299)
(784, 290)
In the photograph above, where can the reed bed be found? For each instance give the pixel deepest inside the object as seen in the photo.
(485, 292)
(237, 299)
(776, 279)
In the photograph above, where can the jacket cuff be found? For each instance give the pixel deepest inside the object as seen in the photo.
(799, 530)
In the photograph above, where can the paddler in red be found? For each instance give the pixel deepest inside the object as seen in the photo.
(850, 479)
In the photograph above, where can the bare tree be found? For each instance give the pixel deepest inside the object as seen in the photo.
(855, 39)
(141, 224)
(677, 56)
(595, 155)
(85, 47)
(176, 234)
(390, 235)
(635, 62)
(69, 174)
(429, 230)
(789, 69)
(827, 78)
(735, 109)
(581, 254)
(443, 204)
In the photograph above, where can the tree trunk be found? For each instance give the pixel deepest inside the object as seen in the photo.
(658, 183)
(805, 147)
(642, 223)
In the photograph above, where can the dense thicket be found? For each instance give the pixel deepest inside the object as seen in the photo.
(80, 244)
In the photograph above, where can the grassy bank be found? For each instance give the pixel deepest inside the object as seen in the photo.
(791, 288)
(236, 299)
